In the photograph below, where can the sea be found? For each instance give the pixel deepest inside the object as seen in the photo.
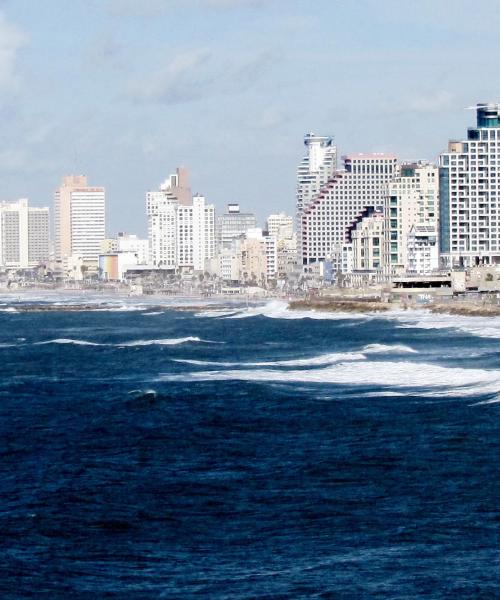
(225, 451)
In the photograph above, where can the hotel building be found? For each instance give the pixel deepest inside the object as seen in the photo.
(469, 185)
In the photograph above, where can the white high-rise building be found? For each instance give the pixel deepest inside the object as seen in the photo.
(469, 190)
(232, 224)
(24, 235)
(327, 216)
(181, 235)
(79, 219)
(315, 169)
(412, 200)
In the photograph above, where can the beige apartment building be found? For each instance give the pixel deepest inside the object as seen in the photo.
(79, 219)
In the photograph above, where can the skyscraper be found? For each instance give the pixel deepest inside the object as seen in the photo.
(181, 227)
(24, 235)
(412, 200)
(328, 215)
(317, 166)
(469, 187)
(79, 219)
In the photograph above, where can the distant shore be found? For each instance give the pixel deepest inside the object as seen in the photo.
(461, 308)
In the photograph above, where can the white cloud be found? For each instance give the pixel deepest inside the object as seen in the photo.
(11, 41)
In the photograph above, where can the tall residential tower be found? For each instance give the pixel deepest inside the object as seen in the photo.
(469, 187)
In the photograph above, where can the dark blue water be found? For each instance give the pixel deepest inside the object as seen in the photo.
(359, 458)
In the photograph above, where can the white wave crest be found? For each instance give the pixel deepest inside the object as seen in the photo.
(68, 341)
(152, 314)
(278, 309)
(321, 360)
(387, 348)
(487, 327)
(163, 342)
(425, 378)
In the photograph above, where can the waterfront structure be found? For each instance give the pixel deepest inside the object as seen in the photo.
(181, 235)
(113, 266)
(232, 224)
(24, 235)
(469, 185)
(411, 204)
(422, 250)
(326, 218)
(258, 257)
(79, 219)
(315, 169)
(126, 242)
(367, 237)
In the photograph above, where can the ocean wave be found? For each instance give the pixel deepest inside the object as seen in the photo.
(164, 342)
(68, 341)
(487, 327)
(152, 314)
(323, 359)
(278, 309)
(426, 378)
(387, 348)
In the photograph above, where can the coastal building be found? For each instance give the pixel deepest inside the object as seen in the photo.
(24, 235)
(367, 236)
(113, 266)
(232, 224)
(126, 242)
(79, 219)
(411, 204)
(258, 258)
(469, 186)
(315, 169)
(109, 245)
(181, 229)
(422, 250)
(326, 218)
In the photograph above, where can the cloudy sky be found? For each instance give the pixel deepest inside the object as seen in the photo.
(126, 90)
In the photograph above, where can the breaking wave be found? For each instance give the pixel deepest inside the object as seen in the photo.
(164, 342)
(426, 378)
(68, 341)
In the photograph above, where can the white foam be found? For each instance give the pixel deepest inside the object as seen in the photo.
(321, 360)
(152, 314)
(215, 313)
(387, 348)
(69, 341)
(278, 309)
(428, 379)
(163, 342)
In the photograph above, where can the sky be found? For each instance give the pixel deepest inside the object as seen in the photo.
(125, 91)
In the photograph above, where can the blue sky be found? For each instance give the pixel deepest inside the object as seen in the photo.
(126, 90)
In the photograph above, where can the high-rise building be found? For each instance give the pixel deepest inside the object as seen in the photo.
(412, 200)
(315, 169)
(469, 190)
(326, 218)
(233, 224)
(24, 235)
(79, 219)
(176, 187)
(181, 234)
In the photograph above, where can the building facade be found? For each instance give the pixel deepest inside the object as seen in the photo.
(326, 218)
(232, 224)
(181, 235)
(412, 201)
(79, 219)
(469, 186)
(24, 235)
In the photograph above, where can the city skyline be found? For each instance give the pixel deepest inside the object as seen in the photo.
(124, 104)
